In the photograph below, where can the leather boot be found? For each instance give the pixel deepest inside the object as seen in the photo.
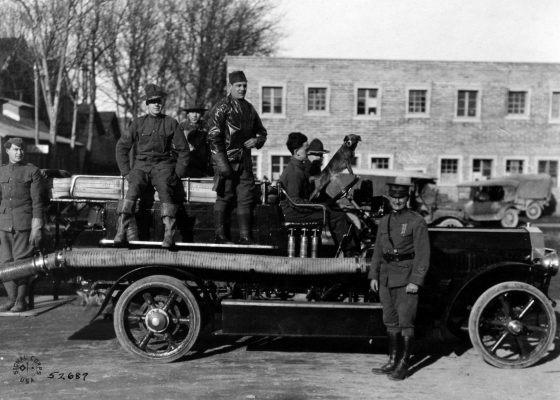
(168, 216)
(126, 211)
(393, 352)
(11, 290)
(244, 221)
(401, 372)
(21, 304)
(219, 224)
(132, 230)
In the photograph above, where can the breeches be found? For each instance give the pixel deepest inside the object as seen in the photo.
(163, 178)
(14, 246)
(399, 309)
(240, 186)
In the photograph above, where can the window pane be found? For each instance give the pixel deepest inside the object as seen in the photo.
(278, 163)
(449, 170)
(417, 101)
(555, 112)
(367, 102)
(317, 99)
(549, 167)
(466, 103)
(514, 166)
(380, 163)
(516, 102)
(482, 168)
(272, 100)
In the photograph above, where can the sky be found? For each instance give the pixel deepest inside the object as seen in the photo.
(472, 30)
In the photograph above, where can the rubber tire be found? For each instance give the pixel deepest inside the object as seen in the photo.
(166, 282)
(491, 294)
(533, 211)
(450, 222)
(510, 218)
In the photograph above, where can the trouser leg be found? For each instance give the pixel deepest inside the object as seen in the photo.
(245, 190)
(11, 290)
(126, 213)
(222, 208)
(168, 216)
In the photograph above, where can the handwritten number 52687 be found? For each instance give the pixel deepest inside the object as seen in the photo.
(67, 376)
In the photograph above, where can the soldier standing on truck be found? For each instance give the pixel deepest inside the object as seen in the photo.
(161, 158)
(234, 128)
(21, 218)
(399, 266)
(196, 133)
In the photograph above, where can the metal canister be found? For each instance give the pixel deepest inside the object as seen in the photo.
(291, 243)
(315, 240)
(303, 244)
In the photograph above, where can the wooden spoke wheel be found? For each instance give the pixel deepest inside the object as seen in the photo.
(510, 219)
(450, 222)
(533, 211)
(512, 325)
(157, 319)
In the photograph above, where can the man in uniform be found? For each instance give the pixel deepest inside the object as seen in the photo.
(21, 217)
(399, 266)
(234, 128)
(196, 134)
(161, 158)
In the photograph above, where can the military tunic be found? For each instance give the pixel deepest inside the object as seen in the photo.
(22, 200)
(161, 157)
(401, 256)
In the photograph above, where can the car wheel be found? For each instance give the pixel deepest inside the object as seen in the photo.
(533, 211)
(510, 219)
(157, 319)
(512, 325)
(450, 222)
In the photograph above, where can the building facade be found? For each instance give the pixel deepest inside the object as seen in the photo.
(458, 121)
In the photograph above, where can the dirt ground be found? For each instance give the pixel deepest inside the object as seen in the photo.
(247, 368)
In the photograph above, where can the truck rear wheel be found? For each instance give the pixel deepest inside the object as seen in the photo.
(157, 319)
(512, 325)
(533, 211)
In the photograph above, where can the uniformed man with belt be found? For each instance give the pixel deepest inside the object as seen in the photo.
(21, 217)
(161, 158)
(400, 262)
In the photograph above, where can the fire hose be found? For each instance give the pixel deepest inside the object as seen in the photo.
(192, 260)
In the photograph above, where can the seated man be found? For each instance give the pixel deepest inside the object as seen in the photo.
(295, 180)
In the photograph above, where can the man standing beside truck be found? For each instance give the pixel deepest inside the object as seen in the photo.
(399, 266)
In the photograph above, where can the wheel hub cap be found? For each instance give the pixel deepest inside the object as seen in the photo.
(156, 320)
(515, 327)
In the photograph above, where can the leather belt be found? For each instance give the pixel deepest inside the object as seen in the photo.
(398, 257)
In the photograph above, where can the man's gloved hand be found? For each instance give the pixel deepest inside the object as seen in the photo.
(36, 233)
(222, 164)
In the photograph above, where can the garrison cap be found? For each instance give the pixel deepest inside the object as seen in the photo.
(237, 76)
(152, 91)
(316, 148)
(400, 188)
(295, 141)
(15, 140)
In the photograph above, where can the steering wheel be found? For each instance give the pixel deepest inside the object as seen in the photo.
(346, 189)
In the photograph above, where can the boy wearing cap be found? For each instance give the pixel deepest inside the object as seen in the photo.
(161, 158)
(196, 134)
(315, 154)
(21, 217)
(399, 266)
(295, 180)
(234, 128)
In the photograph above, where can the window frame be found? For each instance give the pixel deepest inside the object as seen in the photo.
(425, 114)
(517, 158)
(317, 85)
(380, 155)
(539, 159)
(493, 170)
(259, 155)
(277, 153)
(365, 85)
(468, 88)
(272, 115)
(459, 159)
(527, 112)
(552, 120)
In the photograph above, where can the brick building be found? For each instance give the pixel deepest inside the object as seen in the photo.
(456, 120)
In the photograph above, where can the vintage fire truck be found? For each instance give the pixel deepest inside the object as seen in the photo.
(487, 284)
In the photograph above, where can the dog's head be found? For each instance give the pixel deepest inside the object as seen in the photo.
(352, 140)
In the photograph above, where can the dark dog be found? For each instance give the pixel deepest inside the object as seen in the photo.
(338, 163)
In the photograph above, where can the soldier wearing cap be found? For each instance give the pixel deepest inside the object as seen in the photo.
(399, 266)
(161, 158)
(315, 154)
(234, 128)
(196, 134)
(21, 217)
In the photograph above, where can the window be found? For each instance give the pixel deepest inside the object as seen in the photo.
(449, 170)
(417, 101)
(482, 168)
(514, 166)
(277, 164)
(316, 99)
(367, 102)
(555, 106)
(272, 100)
(549, 167)
(517, 103)
(467, 104)
(379, 162)
(255, 160)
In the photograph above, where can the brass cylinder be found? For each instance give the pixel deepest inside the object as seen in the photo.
(291, 243)
(315, 240)
(303, 244)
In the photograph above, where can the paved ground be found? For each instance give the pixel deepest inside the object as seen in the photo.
(64, 342)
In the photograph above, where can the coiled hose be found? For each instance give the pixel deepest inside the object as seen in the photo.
(192, 260)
